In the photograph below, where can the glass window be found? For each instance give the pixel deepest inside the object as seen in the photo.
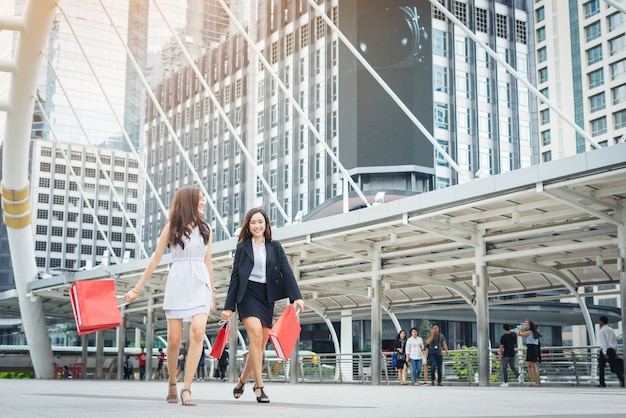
(598, 126)
(439, 43)
(618, 69)
(593, 31)
(617, 45)
(546, 137)
(615, 21)
(620, 119)
(592, 8)
(619, 94)
(541, 34)
(546, 156)
(440, 78)
(545, 116)
(542, 54)
(441, 115)
(594, 55)
(596, 78)
(543, 75)
(597, 102)
(541, 14)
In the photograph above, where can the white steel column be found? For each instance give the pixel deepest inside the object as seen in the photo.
(121, 343)
(377, 319)
(38, 16)
(150, 338)
(346, 346)
(482, 313)
(621, 266)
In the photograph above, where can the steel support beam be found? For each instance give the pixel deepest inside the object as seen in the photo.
(37, 21)
(377, 319)
(482, 313)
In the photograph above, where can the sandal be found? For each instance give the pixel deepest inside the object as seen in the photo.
(238, 391)
(172, 398)
(188, 401)
(263, 398)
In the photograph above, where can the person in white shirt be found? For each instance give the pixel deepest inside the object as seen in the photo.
(608, 354)
(414, 347)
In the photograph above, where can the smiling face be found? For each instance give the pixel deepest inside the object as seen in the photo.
(201, 203)
(257, 226)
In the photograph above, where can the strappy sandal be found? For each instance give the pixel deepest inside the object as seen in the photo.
(263, 398)
(172, 398)
(188, 401)
(237, 392)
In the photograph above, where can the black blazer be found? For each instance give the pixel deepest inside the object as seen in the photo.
(281, 283)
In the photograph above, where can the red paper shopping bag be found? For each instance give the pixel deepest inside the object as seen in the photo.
(95, 305)
(285, 333)
(220, 341)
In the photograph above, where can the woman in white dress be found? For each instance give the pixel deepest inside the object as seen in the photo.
(189, 290)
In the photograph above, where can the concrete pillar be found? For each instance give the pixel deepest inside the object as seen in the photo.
(149, 338)
(345, 363)
(377, 321)
(482, 314)
(99, 355)
(233, 373)
(621, 266)
(85, 352)
(121, 343)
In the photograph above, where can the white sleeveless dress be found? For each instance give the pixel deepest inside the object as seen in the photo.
(188, 288)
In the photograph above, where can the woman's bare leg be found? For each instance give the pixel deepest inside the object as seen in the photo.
(258, 335)
(174, 338)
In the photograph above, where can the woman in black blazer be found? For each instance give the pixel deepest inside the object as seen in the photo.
(261, 275)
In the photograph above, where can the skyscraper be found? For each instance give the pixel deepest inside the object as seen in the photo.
(478, 113)
(581, 67)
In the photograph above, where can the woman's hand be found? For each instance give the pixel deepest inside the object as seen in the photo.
(131, 295)
(299, 305)
(226, 314)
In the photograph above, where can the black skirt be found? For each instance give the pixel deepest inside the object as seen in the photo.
(254, 303)
(533, 354)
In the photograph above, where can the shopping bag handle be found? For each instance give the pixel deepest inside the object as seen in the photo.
(119, 305)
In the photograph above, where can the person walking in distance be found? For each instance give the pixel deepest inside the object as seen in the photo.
(529, 330)
(401, 360)
(608, 353)
(160, 364)
(260, 276)
(141, 359)
(437, 344)
(506, 356)
(189, 290)
(414, 347)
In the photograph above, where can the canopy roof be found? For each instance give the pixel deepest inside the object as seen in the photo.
(550, 227)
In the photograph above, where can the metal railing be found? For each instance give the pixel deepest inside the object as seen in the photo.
(573, 366)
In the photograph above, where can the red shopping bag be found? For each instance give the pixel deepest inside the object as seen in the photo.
(95, 305)
(220, 341)
(285, 333)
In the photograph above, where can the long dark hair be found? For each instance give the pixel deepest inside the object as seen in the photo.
(184, 216)
(405, 335)
(245, 234)
(533, 328)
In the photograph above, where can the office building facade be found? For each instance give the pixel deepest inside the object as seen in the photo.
(480, 115)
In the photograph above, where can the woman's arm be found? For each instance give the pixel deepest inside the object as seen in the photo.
(290, 280)
(132, 294)
(233, 287)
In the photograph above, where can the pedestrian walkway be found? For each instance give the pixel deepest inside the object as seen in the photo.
(136, 399)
